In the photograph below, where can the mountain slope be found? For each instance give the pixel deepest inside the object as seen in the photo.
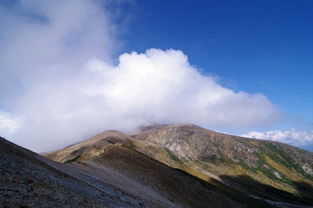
(232, 169)
(116, 151)
(29, 180)
(268, 169)
(160, 166)
(103, 172)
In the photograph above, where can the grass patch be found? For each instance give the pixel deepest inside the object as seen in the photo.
(76, 154)
(72, 160)
(281, 157)
(172, 155)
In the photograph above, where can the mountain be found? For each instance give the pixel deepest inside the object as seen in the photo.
(104, 171)
(160, 166)
(266, 169)
(142, 175)
(276, 173)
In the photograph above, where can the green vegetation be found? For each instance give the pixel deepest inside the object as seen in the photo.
(79, 151)
(281, 157)
(172, 155)
(268, 172)
(76, 154)
(245, 166)
(72, 159)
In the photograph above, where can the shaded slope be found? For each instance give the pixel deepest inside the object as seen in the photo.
(29, 180)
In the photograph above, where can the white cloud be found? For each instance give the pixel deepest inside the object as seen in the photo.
(68, 89)
(292, 136)
(8, 125)
(44, 40)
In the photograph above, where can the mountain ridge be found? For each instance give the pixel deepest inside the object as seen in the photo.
(179, 165)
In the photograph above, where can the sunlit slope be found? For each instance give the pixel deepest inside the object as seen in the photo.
(231, 158)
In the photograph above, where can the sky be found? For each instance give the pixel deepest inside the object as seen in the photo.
(71, 69)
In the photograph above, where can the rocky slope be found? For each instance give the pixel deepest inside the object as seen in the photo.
(266, 169)
(271, 171)
(29, 180)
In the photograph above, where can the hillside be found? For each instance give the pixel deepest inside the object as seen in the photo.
(116, 151)
(29, 180)
(277, 173)
(266, 169)
(160, 166)
(104, 171)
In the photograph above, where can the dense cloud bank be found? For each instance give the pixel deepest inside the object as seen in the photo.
(56, 61)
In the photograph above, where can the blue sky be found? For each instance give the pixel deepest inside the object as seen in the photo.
(71, 69)
(256, 46)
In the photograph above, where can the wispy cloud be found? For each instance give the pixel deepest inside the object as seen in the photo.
(56, 62)
(292, 136)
